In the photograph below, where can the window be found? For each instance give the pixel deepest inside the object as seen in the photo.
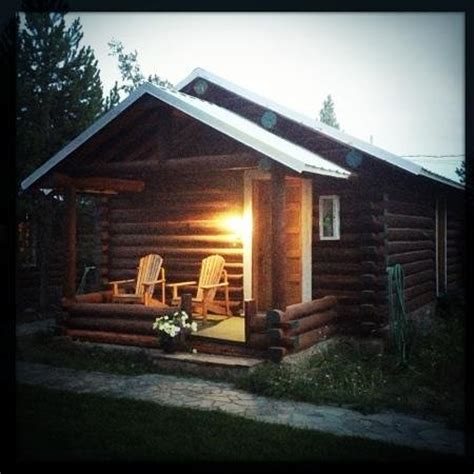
(329, 218)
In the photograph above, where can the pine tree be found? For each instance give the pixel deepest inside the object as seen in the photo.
(130, 69)
(59, 92)
(327, 114)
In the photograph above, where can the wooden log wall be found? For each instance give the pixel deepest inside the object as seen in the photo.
(456, 244)
(411, 242)
(300, 326)
(182, 218)
(336, 264)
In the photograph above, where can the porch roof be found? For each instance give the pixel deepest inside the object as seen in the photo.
(245, 131)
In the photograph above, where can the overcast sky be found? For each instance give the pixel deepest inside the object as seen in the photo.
(398, 77)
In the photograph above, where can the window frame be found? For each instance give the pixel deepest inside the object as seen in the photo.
(336, 220)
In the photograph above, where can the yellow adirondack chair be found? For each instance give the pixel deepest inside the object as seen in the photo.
(150, 273)
(212, 272)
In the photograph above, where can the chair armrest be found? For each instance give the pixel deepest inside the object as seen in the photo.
(182, 283)
(120, 282)
(217, 285)
(154, 282)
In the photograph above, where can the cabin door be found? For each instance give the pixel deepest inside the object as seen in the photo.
(262, 257)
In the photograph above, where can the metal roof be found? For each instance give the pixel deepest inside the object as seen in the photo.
(317, 126)
(245, 131)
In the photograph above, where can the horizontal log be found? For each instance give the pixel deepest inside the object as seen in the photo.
(402, 247)
(420, 277)
(416, 290)
(409, 257)
(413, 222)
(321, 254)
(331, 268)
(404, 235)
(344, 297)
(98, 184)
(176, 196)
(136, 252)
(146, 215)
(276, 354)
(117, 310)
(204, 226)
(409, 208)
(312, 321)
(376, 268)
(124, 326)
(300, 310)
(173, 275)
(182, 164)
(419, 301)
(95, 297)
(184, 263)
(176, 239)
(176, 209)
(310, 338)
(337, 282)
(113, 338)
(415, 267)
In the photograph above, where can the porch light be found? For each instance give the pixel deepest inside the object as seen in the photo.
(236, 226)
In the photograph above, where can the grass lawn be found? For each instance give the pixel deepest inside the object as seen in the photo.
(60, 426)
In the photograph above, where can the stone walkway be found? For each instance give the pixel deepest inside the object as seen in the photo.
(207, 395)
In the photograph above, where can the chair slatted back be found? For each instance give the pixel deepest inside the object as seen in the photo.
(211, 272)
(148, 270)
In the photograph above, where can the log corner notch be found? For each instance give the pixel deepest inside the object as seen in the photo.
(300, 326)
(97, 185)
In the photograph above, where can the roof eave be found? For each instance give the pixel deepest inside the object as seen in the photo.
(315, 125)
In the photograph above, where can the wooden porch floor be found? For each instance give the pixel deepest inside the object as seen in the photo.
(222, 327)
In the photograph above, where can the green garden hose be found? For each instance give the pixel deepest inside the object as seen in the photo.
(396, 305)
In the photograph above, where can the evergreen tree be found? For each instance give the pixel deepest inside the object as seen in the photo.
(130, 70)
(327, 114)
(59, 92)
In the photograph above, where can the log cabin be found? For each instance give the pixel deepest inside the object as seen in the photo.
(307, 217)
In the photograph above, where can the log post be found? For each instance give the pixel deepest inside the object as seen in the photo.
(187, 304)
(277, 236)
(69, 288)
(250, 311)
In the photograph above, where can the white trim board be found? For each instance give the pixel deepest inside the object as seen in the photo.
(306, 233)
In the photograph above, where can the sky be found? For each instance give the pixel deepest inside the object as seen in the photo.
(395, 78)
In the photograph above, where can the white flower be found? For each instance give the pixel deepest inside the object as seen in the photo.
(195, 351)
(193, 326)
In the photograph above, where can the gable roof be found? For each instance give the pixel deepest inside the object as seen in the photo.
(245, 131)
(315, 125)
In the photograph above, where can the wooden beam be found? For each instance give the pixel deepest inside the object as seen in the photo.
(191, 164)
(69, 287)
(96, 184)
(278, 237)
